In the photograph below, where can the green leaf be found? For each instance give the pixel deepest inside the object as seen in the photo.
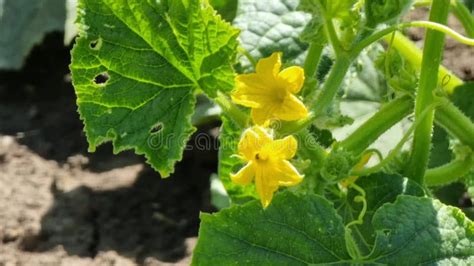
(385, 11)
(469, 4)
(293, 230)
(380, 189)
(269, 26)
(227, 8)
(23, 24)
(136, 67)
(229, 139)
(414, 231)
(440, 151)
(305, 229)
(462, 98)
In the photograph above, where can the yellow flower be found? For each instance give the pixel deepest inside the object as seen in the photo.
(271, 93)
(267, 161)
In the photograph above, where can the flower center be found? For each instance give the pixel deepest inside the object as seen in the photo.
(261, 157)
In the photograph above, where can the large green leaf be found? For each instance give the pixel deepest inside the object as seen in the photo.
(293, 230)
(380, 189)
(23, 23)
(415, 231)
(306, 230)
(136, 67)
(229, 139)
(269, 26)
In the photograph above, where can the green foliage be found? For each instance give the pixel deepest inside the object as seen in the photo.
(385, 11)
(310, 232)
(462, 98)
(314, 31)
(226, 8)
(23, 23)
(339, 9)
(271, 25)
(401, 76)
(380, 189)
(410, 231)
(337, 165)
(151, 73)
(469, 4)
(415, 231)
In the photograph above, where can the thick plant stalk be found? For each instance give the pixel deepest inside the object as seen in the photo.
(433, 50)
(372, 129)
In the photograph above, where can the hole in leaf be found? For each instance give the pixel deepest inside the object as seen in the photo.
(96, 44)
(157, 128)
(101, 79)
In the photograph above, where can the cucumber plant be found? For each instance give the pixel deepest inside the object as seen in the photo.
(336, 129)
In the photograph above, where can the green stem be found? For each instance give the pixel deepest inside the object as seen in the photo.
(333, 38)
(331, 85)
(432, 52)
(450, 172)
(246, 53)
(231, 110)
(312, 59)
(310, 148)
(464, 16)
(330, 30)
(372, 129)
(413, 54)
(455, 122)
(395, 151)
(413, 24)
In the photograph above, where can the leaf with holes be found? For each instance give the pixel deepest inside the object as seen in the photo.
(137, 66)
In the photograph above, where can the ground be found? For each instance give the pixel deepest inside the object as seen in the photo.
(60, 205)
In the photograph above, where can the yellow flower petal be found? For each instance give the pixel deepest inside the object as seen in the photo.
(251, 91)
(282, 149)
(291, 109)
(270, 66)
(245, 175)
(285, 174)
(253, 139)
(265, 188)
(262, 115)
(267, 163)
(293, 77)
(269, 92)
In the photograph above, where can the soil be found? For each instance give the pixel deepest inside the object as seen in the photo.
(60, 205)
